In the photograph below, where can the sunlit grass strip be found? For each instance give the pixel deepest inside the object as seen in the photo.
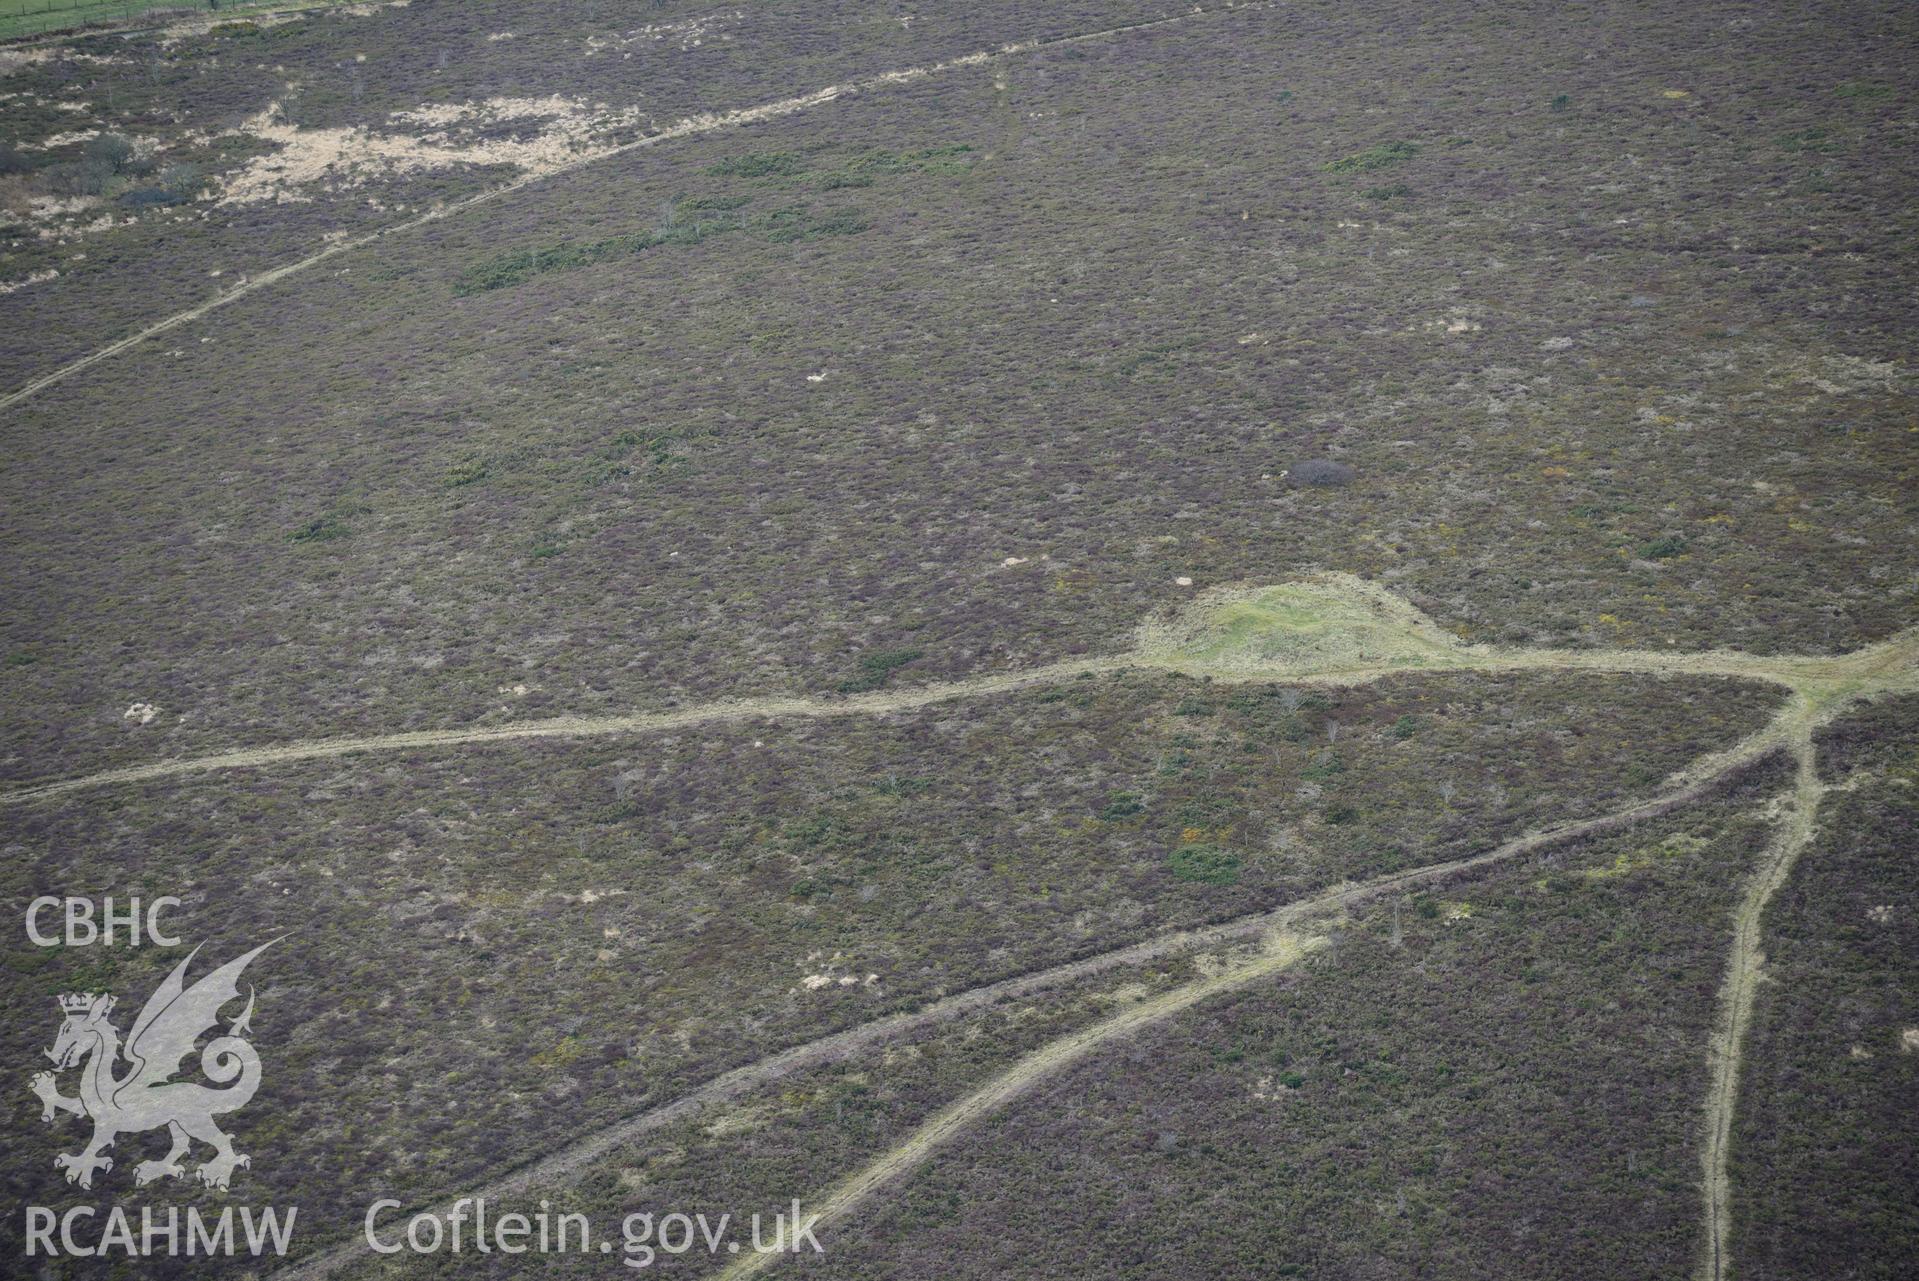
(20, 18)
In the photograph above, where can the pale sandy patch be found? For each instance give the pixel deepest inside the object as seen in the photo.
(37, 278)
(425, 139)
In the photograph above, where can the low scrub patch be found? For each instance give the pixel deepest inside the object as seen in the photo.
(877, 669)
(1207, 864)
(1383, 156)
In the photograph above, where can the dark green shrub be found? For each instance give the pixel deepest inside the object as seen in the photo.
(759, 164)
(1663, 548)
(321, 529)
(470, 472)
(145, 197)
(329, 526)
(1206, 864)
(182, 181)
(720, 204)
(522, 265)
(110, 151)
(1815, 141)
(877, 669)
(1383, 156)
(788, 226)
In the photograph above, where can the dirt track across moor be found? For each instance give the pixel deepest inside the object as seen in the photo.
(1284, 938)
(1328, 630)
(693, 125)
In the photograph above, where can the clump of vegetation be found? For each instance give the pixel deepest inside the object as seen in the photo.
(1816, 141)
(1394, 191)
(177, 185)
(1121, 805)
(1206, 864)
(1320, 471)
(523, 265)
(329, 526)
(1663, 548)
(759, 164)
(716, 204)
(1383, 156)
(106, 163)
(1325, 766)
(876, 669)
(470, 471)
(657, 446)
(860, 171)
(788, 226)
(834, 181)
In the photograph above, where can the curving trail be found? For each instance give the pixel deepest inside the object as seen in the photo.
(1736, 995)
(1278, 928)
(795, 708)
(1329, 630)
(1280, 952)
(1827, 684)
(707, 123)
(1284, 946)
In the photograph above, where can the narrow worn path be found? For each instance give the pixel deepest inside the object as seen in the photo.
(693, 125)
(1286, 943)
(1736, 995)
(1359, 634)
(1284, 922)
(1828, 683)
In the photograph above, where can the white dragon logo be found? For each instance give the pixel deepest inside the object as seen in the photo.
(147, 1097)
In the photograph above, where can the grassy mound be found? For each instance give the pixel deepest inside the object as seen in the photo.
(1325, 625)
